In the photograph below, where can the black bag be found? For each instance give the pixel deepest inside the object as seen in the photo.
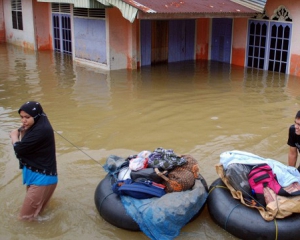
(237, 175)
(148, 173)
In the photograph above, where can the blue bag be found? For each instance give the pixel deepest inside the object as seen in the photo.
(139, 189)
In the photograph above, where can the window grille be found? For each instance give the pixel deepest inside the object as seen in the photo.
(279, 47)
(62, 38)
(89, 12)
(61, 8)
(257, 44)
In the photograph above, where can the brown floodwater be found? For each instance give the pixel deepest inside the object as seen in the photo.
(198, 108)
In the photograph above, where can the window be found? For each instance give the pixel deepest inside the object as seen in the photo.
(16, 12)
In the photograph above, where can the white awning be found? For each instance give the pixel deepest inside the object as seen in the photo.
(129, 12)
(257, 5)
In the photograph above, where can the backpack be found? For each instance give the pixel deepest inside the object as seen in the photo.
(140, 189)
(262, 176)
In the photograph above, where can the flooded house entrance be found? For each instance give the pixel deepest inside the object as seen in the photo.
(167, 41)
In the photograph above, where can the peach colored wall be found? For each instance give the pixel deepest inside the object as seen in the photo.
(2, 23)
(293, 6)
(239, 41)
(122, 39)
(295, 64)
(132, 62)
(42, 18)
(138, 46)
(202, 38)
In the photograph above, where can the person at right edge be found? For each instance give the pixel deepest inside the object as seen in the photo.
(34, 146)
(294, 142)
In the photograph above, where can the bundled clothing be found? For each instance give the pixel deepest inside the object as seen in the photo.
(165, 159)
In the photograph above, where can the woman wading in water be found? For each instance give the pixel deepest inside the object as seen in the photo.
(34, 145)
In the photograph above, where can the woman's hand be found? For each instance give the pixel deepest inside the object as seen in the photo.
(14, 135)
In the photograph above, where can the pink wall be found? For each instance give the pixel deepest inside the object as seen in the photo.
(132, 62)
(202, 38)
(239, 41)
(295, 64)
(42, 18)
(123, 41)
(2, 23)
(238, 44)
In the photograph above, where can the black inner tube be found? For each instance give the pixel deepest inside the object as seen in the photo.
(245, 222)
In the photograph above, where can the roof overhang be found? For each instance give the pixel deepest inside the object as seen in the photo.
(162, 16)
(174, 9)
(182, 9)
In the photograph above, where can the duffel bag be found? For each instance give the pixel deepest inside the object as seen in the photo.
(149, 173)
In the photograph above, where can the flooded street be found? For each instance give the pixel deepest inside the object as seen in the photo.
(197, 108)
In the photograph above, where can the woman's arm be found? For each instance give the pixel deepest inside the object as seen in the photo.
(17, 134)
(14, 135)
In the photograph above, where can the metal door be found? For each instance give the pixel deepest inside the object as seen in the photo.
(221, 39)
(181, 40)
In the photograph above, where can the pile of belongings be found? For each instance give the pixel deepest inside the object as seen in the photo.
(263, 183)
(158, 190)
(153, 171)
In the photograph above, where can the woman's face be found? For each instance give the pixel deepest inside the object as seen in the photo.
(27, 120)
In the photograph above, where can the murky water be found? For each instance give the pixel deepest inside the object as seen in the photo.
(198, 108)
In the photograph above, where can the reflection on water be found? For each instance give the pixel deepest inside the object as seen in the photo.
(201, 108)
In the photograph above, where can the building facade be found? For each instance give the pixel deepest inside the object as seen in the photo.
(115, 34)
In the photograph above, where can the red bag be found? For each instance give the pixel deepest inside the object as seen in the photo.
(262, 176)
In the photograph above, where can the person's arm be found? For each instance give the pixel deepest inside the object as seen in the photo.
(14, 136)
(292, 156)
